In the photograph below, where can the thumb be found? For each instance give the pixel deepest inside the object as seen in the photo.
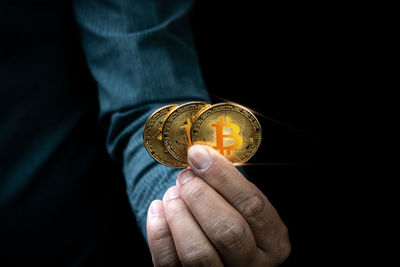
(209, 164)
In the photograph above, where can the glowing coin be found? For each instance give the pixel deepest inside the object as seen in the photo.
(152, 138)
(176, 129)
(229, 128)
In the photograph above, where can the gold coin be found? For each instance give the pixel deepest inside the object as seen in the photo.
(229, 128)
(152, 138)
(176, 129)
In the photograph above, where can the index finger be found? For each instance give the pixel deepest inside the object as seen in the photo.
(268, 229)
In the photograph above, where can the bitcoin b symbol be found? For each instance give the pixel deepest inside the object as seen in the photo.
(220, 135)
(187, 126)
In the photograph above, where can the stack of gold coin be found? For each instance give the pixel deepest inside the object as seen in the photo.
(229, 128)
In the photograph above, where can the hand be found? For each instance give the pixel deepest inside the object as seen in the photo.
(215, 217)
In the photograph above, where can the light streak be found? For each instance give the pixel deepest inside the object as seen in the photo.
(266, 117)
(268, 164)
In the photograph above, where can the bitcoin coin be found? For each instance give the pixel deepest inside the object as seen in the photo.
(152, 138)
(229, 128)
(176, 129)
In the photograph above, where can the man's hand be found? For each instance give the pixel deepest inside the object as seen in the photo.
(214, 217)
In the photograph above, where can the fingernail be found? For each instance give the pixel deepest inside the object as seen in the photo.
(185, 176)
(156, 208)
(199, 158)
(171, 193)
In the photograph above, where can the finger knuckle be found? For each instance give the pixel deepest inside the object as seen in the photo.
(283, 247)
(231, 235)
(253, 207)
(166, 258)
(160, 233)
(285, 252)
(195, 256)
(197, 193)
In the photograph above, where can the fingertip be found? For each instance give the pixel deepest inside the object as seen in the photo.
(199, 157)
(156, 208)
(184, 176)
(159, 236)
(170, 194)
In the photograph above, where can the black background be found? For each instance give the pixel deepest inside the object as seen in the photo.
(280, 60)
(276, 60)
(290, 62)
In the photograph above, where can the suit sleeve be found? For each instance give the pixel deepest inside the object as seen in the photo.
(142, 56)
